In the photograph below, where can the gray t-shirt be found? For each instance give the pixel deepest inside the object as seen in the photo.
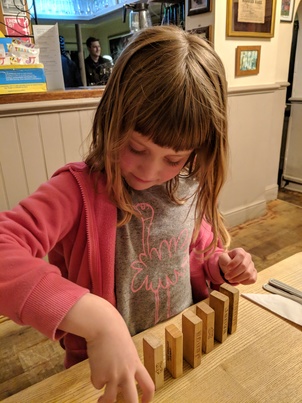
(152, 258)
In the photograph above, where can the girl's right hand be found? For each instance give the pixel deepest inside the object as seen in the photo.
(113, 359)
(115, 364)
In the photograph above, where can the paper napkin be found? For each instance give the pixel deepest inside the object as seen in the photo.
(282, 306)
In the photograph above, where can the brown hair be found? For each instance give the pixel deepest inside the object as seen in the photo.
(170, 86)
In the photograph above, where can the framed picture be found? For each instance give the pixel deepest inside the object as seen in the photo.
(16, 26)
(254, 19)
(14, 7)
(247, 60)
(199, 6)
(204, 32)
(287, 10)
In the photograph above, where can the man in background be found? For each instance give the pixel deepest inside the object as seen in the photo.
(97, 67)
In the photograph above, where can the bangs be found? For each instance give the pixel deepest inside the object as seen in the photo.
(176, 127)
(179, 122)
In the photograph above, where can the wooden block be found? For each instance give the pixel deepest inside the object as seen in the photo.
(192, 338)
(174, 350)
(154, 359)
(220, 303)
(233, 294)
(207, 315)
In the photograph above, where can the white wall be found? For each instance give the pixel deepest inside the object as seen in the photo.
(256, 112)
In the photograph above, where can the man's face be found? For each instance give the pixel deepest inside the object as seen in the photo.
(95, 49)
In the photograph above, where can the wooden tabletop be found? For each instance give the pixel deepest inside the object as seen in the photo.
(260, 362)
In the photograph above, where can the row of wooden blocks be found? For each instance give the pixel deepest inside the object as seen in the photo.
(215, 317)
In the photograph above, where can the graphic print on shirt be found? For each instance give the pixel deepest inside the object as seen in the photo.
(155, 268)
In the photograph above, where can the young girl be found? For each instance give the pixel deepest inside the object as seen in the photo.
(133, 235)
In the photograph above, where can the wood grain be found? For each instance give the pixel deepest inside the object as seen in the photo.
(51, 95)
(255, 364)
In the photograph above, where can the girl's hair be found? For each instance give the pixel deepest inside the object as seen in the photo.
(168, 85)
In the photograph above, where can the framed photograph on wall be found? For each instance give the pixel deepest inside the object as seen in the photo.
(204, 32)
(254, 19)
(247, 60)
(287, 10)
(199, 6)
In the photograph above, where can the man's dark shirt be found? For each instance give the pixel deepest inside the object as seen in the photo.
(71, 73)
(95, 74)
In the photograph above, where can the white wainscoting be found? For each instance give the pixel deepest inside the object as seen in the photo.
(38, 138)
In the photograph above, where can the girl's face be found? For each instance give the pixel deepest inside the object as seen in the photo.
(145, 164)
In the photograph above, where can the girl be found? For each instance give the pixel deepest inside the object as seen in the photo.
(133, 235)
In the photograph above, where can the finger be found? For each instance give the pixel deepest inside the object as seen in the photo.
(129, 391)
(224, 259)
(248, 276)
(111, 391)
(146, 384)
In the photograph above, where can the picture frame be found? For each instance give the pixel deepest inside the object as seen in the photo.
(247, 19)
(204, 32)
(287, 10)
(247, 60)
(199, 6)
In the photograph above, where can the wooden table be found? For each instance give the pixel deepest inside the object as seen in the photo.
(260, 362)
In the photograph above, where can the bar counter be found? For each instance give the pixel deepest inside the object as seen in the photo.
(76, 93)
(259, 363)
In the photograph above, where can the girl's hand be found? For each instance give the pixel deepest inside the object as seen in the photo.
(238, 267)
(115, 364)
(113, 359)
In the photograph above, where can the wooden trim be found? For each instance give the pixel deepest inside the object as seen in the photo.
(51, 96)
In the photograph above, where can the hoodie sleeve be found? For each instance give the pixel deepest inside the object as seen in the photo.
(204, 267)
(32, 291)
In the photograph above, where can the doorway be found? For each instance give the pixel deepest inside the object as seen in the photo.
(290, 164)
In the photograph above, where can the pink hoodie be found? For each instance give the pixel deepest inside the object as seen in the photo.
(75, 225)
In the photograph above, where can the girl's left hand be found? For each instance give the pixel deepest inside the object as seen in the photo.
(238, 267)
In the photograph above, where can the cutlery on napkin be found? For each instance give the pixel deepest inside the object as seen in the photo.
(285, 301)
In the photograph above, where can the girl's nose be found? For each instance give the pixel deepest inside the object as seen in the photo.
(150, 169)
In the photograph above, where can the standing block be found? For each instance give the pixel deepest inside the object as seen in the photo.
(220, 303)
(207, 315)
(174, 350)
(233, 294)
(192, 338)
(154, 359)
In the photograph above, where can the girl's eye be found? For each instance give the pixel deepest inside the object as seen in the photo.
(174, 163)
(134, 151)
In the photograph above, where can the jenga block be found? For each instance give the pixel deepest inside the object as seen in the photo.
(174, 350)
(220, 303)
(207, 315)
(192, 338)
(154, 359)
(233, 294)
(206, 301)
